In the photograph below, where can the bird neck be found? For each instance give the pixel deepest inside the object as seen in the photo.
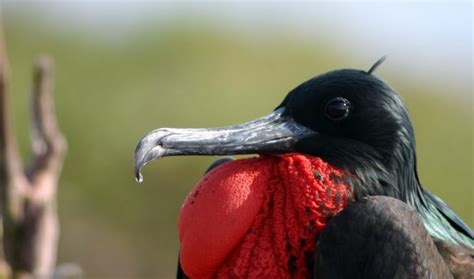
(395, 174)
(389, 168)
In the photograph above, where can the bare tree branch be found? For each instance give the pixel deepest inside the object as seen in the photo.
(5, 148)
(28, 197)
(48, 144)
(49, 148)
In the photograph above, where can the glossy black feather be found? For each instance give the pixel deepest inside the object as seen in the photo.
(378, 237)
(453, 219)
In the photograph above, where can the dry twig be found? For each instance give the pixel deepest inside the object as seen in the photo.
(28, 196)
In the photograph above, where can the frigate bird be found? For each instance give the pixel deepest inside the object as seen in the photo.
(334, 192)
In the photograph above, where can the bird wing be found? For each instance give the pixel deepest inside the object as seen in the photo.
(450, 216)
(378, 237)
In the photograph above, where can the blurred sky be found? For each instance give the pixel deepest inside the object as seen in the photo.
(428, 40)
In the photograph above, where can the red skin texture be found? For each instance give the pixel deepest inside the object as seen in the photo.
(258, 217)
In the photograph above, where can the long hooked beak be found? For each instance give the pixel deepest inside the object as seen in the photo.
(274, 133)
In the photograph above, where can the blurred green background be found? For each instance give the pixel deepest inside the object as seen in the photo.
(123, 69)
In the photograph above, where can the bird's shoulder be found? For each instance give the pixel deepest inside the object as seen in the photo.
(378, 237)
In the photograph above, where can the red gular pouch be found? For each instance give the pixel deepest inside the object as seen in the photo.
(259, 217)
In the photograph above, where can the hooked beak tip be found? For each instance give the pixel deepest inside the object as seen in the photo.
(138, 173)
(148, 149)
(138, 177)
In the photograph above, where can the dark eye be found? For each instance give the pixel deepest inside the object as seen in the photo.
(337, 108)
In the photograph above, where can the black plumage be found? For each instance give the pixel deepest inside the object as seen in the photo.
(378, 237)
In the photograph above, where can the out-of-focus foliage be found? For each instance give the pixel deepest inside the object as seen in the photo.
(109, 95)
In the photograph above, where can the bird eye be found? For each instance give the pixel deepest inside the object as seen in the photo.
(337, 108)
